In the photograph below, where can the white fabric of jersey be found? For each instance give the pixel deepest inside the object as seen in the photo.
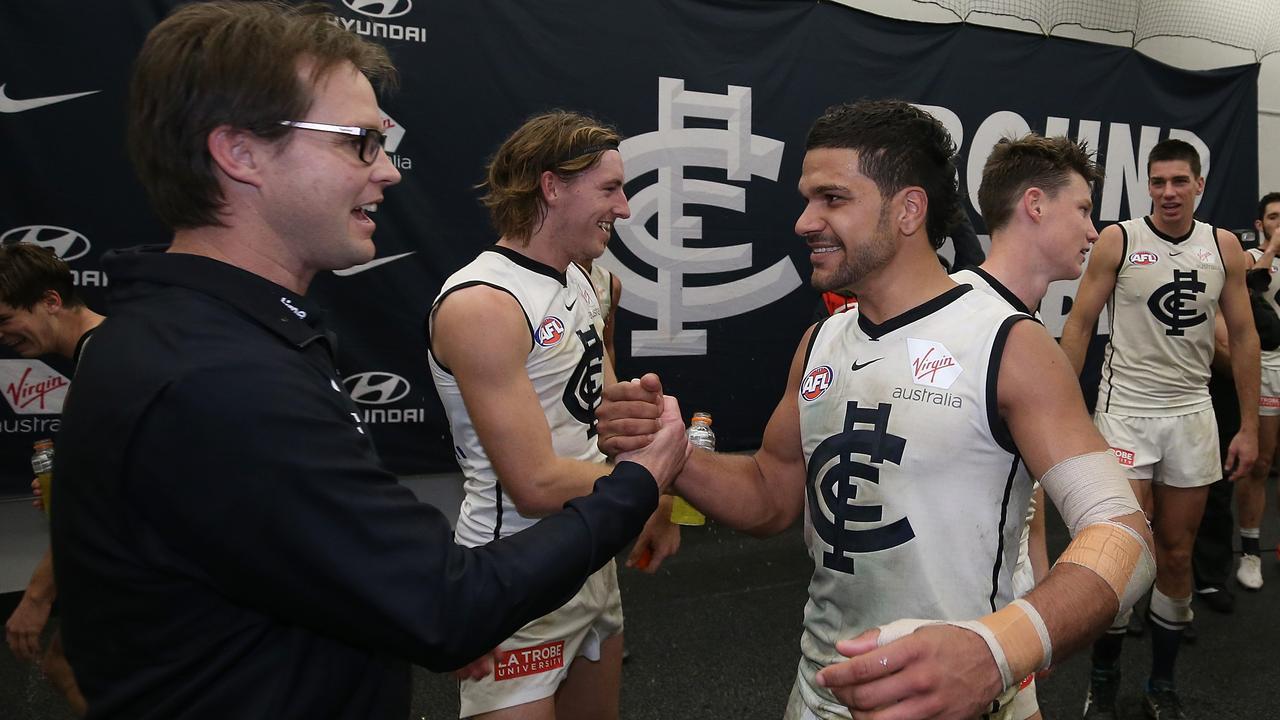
(1270, 358)
(912, 508)
(1162, 314)
(1024, 576)
(603, 281)
(565, 364)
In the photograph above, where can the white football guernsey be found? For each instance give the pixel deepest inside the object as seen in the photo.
(912, 505)
(565, 364)
(1162, 313)
(1024, 574)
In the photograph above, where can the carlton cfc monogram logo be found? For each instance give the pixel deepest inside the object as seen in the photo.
(1173, 304)
(816, 383)
(835, 469)
(661, 235)
(550, 331)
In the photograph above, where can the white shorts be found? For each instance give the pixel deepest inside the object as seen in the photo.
(1024, 704)
(1269, 392)
(541, 652)
(1179, 451)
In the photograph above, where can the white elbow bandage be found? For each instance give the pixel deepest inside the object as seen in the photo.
(1089, 490)
(1015, 634)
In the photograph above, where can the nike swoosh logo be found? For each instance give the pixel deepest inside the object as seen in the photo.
(569, 306)
(856, 367)
(357, 269)
(9, 105)
(1175, 254)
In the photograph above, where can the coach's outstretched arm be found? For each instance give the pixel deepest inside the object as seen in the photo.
(955, 670)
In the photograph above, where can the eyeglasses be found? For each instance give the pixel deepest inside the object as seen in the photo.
(368, 142)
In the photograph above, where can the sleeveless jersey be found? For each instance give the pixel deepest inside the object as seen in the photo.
(1271, 358)
(565, 364)
(1024, 576)
(912, 509)
(1162, 313)
(602, 280)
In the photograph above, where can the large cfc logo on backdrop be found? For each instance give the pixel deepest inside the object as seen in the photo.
(65, 242)
(668, 150)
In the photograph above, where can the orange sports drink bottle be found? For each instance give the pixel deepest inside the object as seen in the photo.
(701, 435)
(42, 465)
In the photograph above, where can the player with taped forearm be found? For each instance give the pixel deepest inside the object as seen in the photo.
(1109, 539)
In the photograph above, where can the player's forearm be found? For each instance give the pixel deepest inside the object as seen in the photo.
(1245, 373)
(544, 488)
(41, 588)
(1076, 605)
(733, 490)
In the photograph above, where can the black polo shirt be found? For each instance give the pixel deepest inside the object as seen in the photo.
(226, 544)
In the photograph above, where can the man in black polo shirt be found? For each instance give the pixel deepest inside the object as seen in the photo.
(226, 543)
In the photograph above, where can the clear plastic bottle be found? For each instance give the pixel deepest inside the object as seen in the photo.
(701, 435)
(42, 466)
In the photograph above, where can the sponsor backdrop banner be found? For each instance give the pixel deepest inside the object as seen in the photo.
(715, 98)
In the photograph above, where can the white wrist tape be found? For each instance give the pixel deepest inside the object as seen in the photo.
(1016, 636)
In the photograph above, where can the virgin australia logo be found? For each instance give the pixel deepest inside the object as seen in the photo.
(31, 387)
(668, 150)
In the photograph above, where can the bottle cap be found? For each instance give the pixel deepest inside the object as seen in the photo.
(44, 444)
(702, 417)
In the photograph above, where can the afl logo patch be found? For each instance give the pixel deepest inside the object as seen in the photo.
(816, 383)
(1143, 257)
(550, 331)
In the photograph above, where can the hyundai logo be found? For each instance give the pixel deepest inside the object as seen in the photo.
(376, 387)
(381, 9)
(66, 243)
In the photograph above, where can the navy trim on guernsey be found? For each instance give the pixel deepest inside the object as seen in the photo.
(999, 429)
(1003, 291)
(584, 272)
(875, 332)
(1218, 245)
(1111, 318)
(813, 338)
(1004, 518)
(497, 521)
(1163, 236)
(461, 286)
(529, 263)
(80, 346)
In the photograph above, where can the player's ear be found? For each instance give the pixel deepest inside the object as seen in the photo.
(1032, 202)
(914, 209)
(550, 186)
